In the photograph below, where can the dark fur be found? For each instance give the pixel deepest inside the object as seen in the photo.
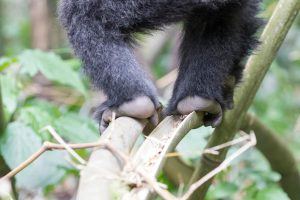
(218, 34)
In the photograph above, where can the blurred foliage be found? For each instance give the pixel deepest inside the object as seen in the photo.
(58, 74)
(28, 114)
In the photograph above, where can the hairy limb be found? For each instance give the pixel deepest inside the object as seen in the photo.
(141, 16)
(108, 60)
(214, 43)
(100, 32)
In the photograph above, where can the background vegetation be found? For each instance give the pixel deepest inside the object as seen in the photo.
(42, 84)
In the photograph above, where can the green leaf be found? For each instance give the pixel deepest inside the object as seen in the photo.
(30, 62)
(193, 144)
(76, 128)
(17, 144)
(10, 93)
(6, 62)
(223, 190)
(273, 192)
(46, 106)
(74, 63)
(52, 67)
(36, 118)
(37, 114)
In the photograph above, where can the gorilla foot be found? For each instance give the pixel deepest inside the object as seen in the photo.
(212, 109)
(141, 108)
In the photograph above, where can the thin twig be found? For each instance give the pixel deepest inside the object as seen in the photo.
(24, 164)
(152, 154)
(117, 153)
(64, 144)
(220, 168)
(214, 150)
(165, 194)
(275, 149)
(48, 146)
(53, 146)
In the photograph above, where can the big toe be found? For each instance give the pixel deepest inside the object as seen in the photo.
(141, 107)
(212, 109)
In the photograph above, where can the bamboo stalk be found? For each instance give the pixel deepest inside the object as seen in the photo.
(256, 68)
(102, 172)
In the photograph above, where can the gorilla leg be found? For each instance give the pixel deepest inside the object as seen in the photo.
(108, 59)
(214, 43)
(100, 32)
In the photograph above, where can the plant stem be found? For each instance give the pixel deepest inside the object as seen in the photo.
(277, 153)
(1, 28)
(280, 158)
(3, 167)
(103, 170)
(2, 116)
(256, 68)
